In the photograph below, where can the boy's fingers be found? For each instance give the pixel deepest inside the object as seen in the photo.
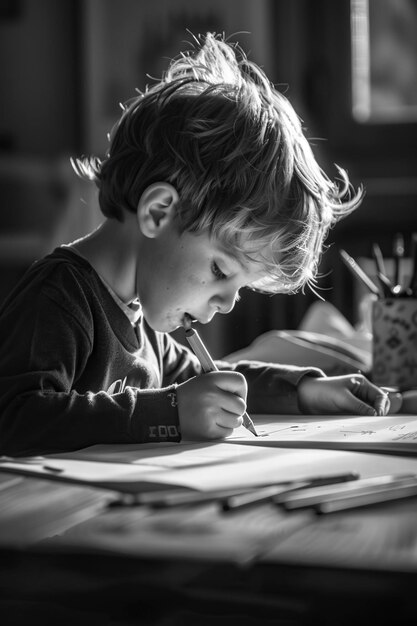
(223, 426)
(223, 432)
(233, 404)
(233, 382)
(362, 408)
(375, 398)
(382, 404)
(229, 422)
(226, 403)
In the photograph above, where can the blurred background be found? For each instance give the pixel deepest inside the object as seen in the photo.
(349, 68)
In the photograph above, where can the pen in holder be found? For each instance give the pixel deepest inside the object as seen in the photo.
(394, 342)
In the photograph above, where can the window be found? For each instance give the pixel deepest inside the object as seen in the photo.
(384, 60)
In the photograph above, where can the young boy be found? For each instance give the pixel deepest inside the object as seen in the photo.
(209, 186)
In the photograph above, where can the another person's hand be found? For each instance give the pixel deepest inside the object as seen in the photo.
(349, 394)
(211, 406)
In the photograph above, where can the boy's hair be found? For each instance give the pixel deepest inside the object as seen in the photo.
(217, 130)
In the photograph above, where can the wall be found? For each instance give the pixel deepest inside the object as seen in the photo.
(40, 127)
(38, 77)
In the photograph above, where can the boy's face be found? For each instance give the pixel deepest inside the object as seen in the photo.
(188, 273)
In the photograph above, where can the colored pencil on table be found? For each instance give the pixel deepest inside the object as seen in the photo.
(398, 492)
(270, 492)
(315, 496)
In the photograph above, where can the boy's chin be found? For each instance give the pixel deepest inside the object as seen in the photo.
(164, 326)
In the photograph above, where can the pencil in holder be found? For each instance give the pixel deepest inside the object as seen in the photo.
(394, 342)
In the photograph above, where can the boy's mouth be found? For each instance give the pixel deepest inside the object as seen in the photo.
(187, 321)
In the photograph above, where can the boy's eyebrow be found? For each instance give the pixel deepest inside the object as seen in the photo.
(239, 261)
(253, 283)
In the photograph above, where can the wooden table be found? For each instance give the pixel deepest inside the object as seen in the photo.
(344, 569)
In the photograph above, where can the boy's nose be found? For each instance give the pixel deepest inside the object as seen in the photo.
(224, 303)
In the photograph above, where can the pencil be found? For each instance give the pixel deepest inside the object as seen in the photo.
(399, 492)
(280, 490)
(238, 501)
(379, 259)
(315, 496)
(170, 498)
(359, 273)
(175, 499)
(381, 272)
(398, 253)
(209, 365)
(386, 285)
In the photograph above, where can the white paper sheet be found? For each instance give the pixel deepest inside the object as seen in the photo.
(250, 466)
(392, 433)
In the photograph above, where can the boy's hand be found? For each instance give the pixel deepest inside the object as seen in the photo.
(210, 406)
(350, 394)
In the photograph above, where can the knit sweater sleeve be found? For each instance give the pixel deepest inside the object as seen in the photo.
(272, 388)
(53, 395)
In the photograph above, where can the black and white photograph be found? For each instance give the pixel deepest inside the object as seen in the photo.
(208, 312)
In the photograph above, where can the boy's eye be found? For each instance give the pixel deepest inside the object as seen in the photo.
(217, 271)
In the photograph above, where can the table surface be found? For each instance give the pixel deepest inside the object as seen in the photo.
(67, 557)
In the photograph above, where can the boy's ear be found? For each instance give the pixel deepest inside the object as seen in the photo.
(156, 208)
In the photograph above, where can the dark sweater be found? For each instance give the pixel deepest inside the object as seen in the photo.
(75, 372)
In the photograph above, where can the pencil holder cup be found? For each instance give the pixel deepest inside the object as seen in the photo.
(394, 342)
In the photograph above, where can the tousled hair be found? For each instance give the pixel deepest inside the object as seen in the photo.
(233, 147)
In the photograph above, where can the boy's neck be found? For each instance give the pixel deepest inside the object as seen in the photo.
(111, 250)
